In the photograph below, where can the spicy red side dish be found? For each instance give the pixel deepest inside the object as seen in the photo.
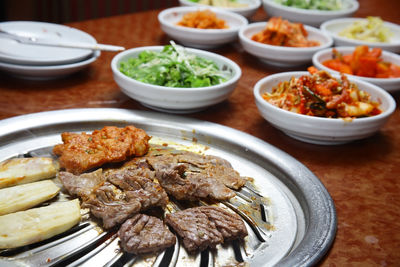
(205, 19)
(363, 62)
(283, 33)
(322, 95)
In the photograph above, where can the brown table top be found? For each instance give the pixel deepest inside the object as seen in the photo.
(362, 177)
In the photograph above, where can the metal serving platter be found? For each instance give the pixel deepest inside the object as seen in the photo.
(296, 207)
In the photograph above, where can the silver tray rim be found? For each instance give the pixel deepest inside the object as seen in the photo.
(315, 201)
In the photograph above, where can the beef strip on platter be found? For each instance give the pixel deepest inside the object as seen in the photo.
(209, 165)
(212, 166)
(118, 195)
(145, 234)
(82, 185)
(197, 231)
(205, 227)
(229, 224)
(190, 176)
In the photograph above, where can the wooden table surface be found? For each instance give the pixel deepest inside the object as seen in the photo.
(362, 177)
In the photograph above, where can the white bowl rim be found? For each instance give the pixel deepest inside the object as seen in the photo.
(316, 61)
(285, 48)
(66, 66)
(353, 8)
(252, 5)
(328, 23)
(232, 64)
(165, 12)
(335, 121)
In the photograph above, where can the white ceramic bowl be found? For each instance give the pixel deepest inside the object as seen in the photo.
(389, 84)
(200, 38)
(307, 16)
(335, 26)
(280, 55)
(176, 100)
(324, 131)
(248, 11)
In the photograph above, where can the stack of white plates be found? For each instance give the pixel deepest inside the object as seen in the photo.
(43, 62)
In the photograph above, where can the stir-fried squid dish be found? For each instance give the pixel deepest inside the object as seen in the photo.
(322, 95)
(123, 181)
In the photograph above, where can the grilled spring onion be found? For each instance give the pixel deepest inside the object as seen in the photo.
(22, 197)
(26, 170)
(34, 225)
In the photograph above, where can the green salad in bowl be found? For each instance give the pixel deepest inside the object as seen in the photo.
(313, 4)
(310, 12)
(173, 67)
(173, 78)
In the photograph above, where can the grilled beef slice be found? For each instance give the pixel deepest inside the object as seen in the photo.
(82, 185)
(206, 226)
(191, 186)
(196, 230)
(185, 181)
(209, 165)
(144, 234)
(138, 184)
(229, 224)
(172, 181)
(110, 205)
(208, 187)
(212, 166)
(119, 195)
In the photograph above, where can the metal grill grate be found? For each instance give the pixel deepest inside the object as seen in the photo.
(88, 245)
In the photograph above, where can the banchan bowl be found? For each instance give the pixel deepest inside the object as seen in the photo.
(308, 16)
(316, 130)
(335, 26)
(389, 84)
(200, 38)
(171, 99)
(248, 11)
(280, 55)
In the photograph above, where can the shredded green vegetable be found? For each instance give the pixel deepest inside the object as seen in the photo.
(370, 30)
(174, 67)
(313, 4)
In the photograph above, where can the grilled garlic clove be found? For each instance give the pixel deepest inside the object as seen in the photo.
(26, 170)
(22, 197)
(34, 225)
